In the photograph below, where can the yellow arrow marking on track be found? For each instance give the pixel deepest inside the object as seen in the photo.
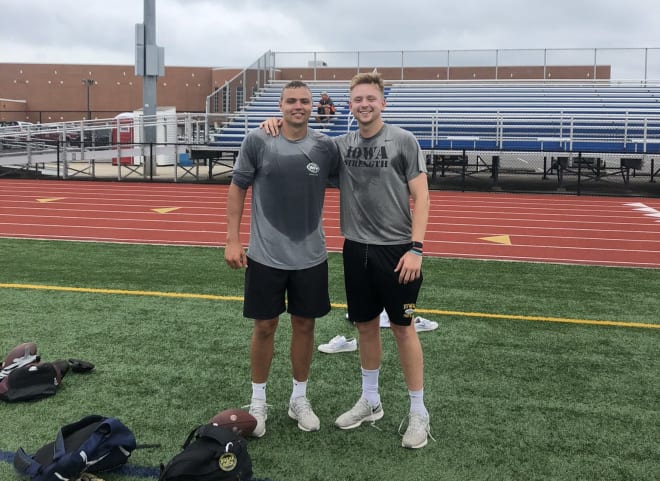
(166, 210)
(51, 199)
(498, 239)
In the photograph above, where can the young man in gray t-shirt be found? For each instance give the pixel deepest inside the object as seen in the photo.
(382, 169)
(286, 260)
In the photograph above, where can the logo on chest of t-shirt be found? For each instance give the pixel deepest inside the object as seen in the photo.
(366, 157)
(313, 168)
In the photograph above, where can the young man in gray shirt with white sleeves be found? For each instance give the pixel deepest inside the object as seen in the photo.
(287, 267)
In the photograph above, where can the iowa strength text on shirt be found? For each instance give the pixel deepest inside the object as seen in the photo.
(366, 157)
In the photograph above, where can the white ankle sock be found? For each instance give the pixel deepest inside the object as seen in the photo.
(370, 386)
(299, 389)
(417, 402)
(259, 391)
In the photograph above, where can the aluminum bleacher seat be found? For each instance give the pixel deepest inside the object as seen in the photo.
(522, 116)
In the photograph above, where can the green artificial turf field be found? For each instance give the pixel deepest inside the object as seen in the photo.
(537, 371)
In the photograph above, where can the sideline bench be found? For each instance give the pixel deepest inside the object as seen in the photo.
(594, 168)
(460, 163)
(214, 156)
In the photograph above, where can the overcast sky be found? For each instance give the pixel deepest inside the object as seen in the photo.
(234, 33)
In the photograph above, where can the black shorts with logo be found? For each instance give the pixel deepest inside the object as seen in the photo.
(372, 284)
(270, 291)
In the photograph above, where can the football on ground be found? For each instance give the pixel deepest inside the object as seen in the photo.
(238, 421)
(25, 349)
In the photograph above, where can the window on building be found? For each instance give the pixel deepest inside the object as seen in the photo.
(239, 97)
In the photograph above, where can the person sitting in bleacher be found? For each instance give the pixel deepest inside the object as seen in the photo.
(325, 108)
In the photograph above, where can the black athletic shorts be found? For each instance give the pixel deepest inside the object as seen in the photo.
(270, 291)
(372, 284)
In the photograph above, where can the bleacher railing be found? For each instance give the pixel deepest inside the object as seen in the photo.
(568, 153)
(637, 64)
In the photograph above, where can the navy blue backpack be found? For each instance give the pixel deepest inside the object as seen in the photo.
(91, 445)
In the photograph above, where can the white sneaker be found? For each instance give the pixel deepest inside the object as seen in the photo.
(418, 432)
(339, 344)
(300, 410)
(361, 412)
(422, 324)
(259, 409)
(384, 319)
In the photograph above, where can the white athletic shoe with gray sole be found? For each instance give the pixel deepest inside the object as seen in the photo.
(418, 431)
(339, 344)
(361, 412)
(422, 325)
(259, 409)
(300, 409)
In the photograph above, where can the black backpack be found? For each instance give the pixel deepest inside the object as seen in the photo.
(24, 377)
(210, 453)
(93, 444)
(30, 382)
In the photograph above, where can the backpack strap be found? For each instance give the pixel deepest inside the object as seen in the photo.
(22, 350)
(25, 464)
(122, 438)
(219, 435)
(223, 436)
(19, 362)
(59, 448)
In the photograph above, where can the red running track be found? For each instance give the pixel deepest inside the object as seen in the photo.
(613, 231)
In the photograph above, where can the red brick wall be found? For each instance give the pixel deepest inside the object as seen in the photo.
(55, 92)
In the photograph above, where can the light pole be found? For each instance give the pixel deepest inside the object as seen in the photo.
(88, 82)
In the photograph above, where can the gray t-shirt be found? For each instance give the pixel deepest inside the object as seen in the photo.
(288, 180)
(373, 181)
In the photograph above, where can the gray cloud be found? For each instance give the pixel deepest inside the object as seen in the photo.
(234, 33)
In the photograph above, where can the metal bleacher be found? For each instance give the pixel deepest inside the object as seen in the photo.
(563, 130)
(612, 129)
(533, 116)
(588, 117)
(265, 105)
